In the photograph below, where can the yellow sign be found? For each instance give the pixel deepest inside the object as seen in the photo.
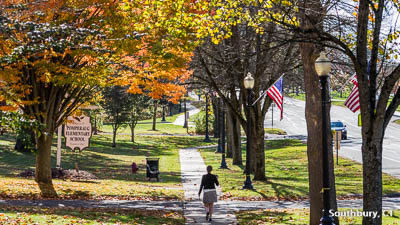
(359, 119)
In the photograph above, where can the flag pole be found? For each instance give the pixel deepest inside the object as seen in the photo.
(282, 101)
(265, 92)
(346, 83)
(272, 116)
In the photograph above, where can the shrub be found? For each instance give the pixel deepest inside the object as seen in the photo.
(200, 122)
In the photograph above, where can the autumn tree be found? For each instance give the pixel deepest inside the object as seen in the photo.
(50, 64)
(55, 55)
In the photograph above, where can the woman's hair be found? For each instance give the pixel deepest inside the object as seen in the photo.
(209, 169)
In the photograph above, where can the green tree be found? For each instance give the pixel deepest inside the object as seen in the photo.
(117, 106)
(138, 110)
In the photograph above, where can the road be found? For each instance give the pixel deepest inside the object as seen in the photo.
(294, 124)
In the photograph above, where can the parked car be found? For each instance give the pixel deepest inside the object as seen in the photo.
(338, 125)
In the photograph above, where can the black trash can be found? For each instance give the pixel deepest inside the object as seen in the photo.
(152, 168)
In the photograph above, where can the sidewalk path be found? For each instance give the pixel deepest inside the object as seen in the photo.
(180, 120)
(192, 168)
(388, 204)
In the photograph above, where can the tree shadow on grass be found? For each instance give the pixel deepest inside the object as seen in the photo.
(8, 137)
(76, 193)
(100, 155)
(283, 190)
(267, 217)
(104, 215)
(13, 162)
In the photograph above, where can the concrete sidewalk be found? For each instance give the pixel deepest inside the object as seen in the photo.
(192, 169)
(180, 120)
(388, 204)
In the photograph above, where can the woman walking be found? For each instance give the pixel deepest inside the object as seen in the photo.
(208, 182)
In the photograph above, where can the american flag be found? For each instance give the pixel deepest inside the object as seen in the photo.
(276, 93)
(353, 101)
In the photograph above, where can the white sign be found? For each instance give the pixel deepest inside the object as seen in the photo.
(77, 132)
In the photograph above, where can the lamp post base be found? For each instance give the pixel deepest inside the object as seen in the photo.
(223, 166)
(327, 220)
(247, 184)
(207, 139)
(223, 163)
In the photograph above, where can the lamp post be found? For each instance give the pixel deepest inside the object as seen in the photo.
(163, 103)
(207, 138)
(323, 67)
(219, 121)
(223, 162)
(248, 84)
(185, 124)
(170, 108)
(163, 113)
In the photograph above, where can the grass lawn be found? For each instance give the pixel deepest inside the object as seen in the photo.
(274, 131)
(287, 174)
(17, 215)
(301, 216)
(336, 100)
(111, 165)
(145, 126)
(397, 121)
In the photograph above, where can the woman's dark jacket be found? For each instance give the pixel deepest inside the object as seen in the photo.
(208, 181)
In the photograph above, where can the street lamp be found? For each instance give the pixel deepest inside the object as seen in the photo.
(163, 113)
(323, 67)
(207, 138)
(248, 84)
(185, 123)
(222, 124)
(163, 102)
(170, 108)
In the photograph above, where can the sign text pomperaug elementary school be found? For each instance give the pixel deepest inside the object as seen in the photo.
(77, 132)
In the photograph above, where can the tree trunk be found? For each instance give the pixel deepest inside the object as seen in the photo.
(43, 165)
(258, 153)
(114, 137)
(236, 142)
(233, 134)
(372, 174)
(309, 53)
(132, 133)
(154, 116)
(314, 140)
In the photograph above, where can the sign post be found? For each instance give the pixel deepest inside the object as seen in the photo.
(59, 131)
(338, 139)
